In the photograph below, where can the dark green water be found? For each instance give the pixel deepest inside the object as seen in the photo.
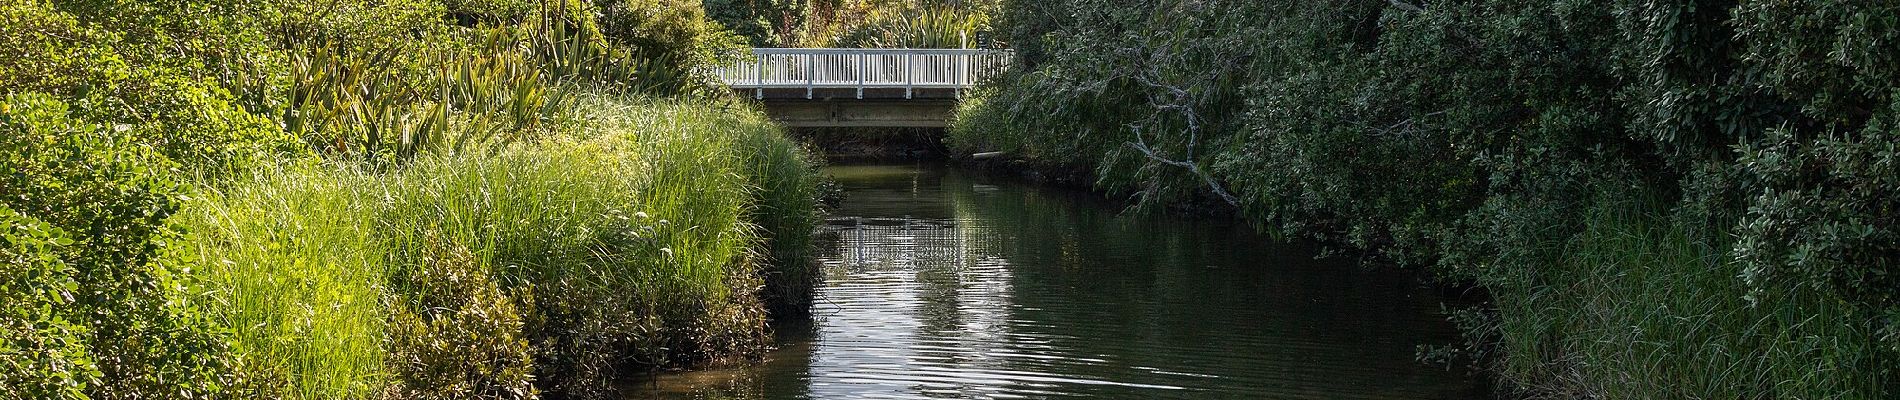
(939, 284)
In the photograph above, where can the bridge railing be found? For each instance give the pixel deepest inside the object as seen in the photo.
(764, 68)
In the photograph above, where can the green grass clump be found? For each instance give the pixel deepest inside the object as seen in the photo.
(1640, 307)
(291, 258)
(636, 240)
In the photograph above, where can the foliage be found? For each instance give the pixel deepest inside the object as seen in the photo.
(457, 335)
(1820, 188)
(1823, 218)
(762, 23)
(278, 245)
(853, 23)
(903, 26)
(285, 275)
(44, 355)
(381, 99)
(1475, 137)
(1649, 309)
(133, 78)
(631, 240)
(86, 215)
(673, 30)
(785, 214)
(355, 104)
(491, 12)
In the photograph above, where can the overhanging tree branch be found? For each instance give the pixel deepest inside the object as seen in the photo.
(1151, 53)
(1141, 145)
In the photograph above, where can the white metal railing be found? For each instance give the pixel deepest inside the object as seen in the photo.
(910, 69)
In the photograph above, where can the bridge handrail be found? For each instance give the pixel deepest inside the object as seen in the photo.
(839, 50)
(812, 68)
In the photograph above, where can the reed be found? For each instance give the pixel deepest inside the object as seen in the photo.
(635, 238)
(1640, 307)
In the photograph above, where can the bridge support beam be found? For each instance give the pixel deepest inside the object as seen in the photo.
(867, 113)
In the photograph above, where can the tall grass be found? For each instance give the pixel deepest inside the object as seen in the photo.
(1641, 307)
(297, 274)
(636, 238)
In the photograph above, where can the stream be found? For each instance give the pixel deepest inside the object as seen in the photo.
(942, 283)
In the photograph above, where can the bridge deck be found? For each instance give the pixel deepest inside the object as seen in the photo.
(860, 69)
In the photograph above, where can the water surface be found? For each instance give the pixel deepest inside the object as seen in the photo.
(940, 284)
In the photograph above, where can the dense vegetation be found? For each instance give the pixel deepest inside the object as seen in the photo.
(351, 199)
(1675, 199)
(854, 23)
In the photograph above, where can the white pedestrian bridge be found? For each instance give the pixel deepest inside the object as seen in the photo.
(883, 73)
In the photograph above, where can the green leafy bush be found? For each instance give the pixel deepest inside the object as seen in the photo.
(455, 334)
(762, 23)
(1482, 139)
(674, 30)
(1823, 218)
(901, 26)
(44, 354)
(288, 275)
(98, 292)
(134, 78)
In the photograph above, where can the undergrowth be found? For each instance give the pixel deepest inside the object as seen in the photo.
(634, 244)
(1642, 307)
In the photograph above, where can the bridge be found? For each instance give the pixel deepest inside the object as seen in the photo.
(860, 87)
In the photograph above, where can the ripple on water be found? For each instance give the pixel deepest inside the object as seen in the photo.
(941, 285)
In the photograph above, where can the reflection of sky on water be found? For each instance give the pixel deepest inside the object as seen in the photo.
(945, 286)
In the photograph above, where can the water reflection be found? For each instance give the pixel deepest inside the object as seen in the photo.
(942, 285)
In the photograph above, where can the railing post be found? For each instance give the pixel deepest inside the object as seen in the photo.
(963, 61)
(956, 69)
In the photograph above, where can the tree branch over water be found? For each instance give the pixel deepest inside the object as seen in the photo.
(1151, 56)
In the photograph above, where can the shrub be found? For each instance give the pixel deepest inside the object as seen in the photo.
(676, 30)
(1823, 219)
(760, 22)
(1645, 307)
(43, 354)
(276, 279)
(104, 290)
(1478, 139)
(454, 334)
(138, 83)
(903, 26)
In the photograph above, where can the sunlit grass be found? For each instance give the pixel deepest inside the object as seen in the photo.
(297, 273)
(637, 238)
